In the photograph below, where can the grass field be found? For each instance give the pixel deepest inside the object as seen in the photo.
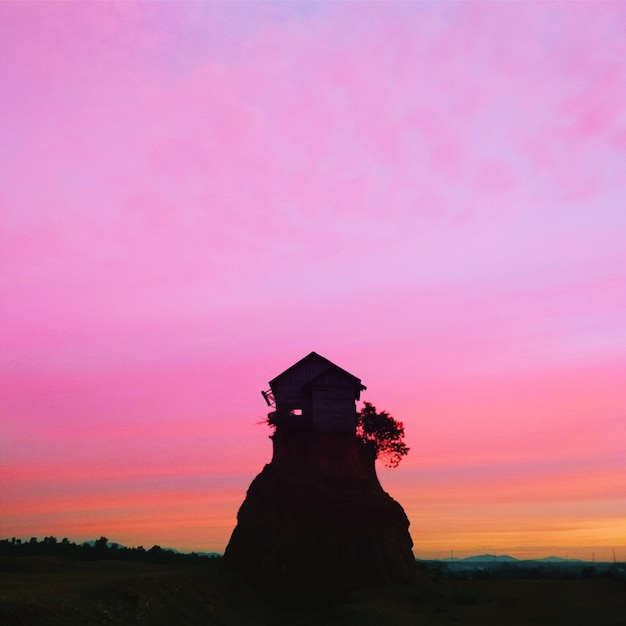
(50, 591)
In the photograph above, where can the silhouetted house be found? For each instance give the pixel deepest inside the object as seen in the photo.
(315, 395)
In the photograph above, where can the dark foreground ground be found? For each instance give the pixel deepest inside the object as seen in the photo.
(50, 591)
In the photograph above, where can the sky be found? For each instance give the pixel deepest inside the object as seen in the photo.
(194, 196)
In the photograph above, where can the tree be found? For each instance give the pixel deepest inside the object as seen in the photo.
(101, 544)
(382, 431)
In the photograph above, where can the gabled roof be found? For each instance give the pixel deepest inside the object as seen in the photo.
(321, 359)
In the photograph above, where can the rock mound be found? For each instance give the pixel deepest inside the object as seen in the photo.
(316, 520)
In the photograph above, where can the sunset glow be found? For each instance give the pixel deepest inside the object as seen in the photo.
(194, 196)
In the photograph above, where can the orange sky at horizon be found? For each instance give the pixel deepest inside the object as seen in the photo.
(467, 525)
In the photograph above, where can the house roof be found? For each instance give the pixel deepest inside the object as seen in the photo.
(319, 358)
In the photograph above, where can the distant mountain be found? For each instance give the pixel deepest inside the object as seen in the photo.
(488, 558)
(494, 559)
(558, 559)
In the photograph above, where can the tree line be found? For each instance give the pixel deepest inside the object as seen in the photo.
(100, 550)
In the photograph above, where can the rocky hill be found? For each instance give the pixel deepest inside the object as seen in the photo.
(317, 521)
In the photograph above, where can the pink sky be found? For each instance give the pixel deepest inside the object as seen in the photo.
(194, 196)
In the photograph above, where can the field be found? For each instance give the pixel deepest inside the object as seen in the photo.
(44, 590)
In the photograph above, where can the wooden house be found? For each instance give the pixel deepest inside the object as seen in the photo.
(315, 395)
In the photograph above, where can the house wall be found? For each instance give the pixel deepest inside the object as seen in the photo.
(333, 402)
(334, 410)
(324, 393)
